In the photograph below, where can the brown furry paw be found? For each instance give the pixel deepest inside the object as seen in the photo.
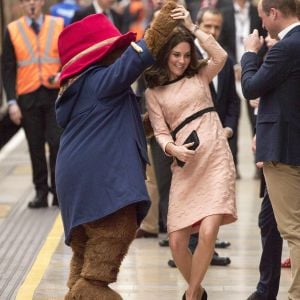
(147, 126)
(85, 290)
(68, 296)
(157, 35)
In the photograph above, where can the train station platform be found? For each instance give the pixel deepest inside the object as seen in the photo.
(34, 261)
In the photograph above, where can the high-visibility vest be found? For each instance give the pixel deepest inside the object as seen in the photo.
(36, 54)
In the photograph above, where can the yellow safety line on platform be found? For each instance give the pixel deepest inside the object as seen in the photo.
(41, 263)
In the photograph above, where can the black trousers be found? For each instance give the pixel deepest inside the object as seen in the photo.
(233, 144)
(163, 174)
(270, 261)
(39, 123)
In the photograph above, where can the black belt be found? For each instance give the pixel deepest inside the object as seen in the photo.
(190, 119)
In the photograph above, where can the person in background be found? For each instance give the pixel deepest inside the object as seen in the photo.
(276, 82)
(240, 19)
(100, 6)
(160, 168)
(65, 9)
(30, 69)
(269, 266)
(194, 6)
(222, 88)
(134, 17)
(179, 101)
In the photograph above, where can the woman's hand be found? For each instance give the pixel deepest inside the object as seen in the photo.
(180, 152)
(180, 13)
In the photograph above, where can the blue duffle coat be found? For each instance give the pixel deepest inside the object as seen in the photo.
(101, 161)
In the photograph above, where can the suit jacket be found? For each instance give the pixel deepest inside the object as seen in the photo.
(277, 82)
(89, 10)
(226, 100)
(228, 33)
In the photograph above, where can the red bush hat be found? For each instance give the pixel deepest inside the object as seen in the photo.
(84, 42)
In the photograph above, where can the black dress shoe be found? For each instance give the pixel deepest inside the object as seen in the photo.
(222, 244)
(220, 260)
(257, 296)
(164, 243)
(39, 201)
(171, 263)
(140, 233)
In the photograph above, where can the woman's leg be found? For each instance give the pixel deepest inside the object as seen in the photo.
(203, 254)
(178, 241)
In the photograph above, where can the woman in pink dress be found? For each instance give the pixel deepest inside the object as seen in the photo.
(202, 194)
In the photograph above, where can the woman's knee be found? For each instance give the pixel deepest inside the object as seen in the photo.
(177, 243)
(208, 234)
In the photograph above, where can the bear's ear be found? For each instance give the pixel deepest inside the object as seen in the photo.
(161, 27)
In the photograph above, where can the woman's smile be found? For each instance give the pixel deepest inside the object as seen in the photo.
(179, 59)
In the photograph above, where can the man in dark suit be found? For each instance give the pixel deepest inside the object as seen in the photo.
(100, 6)
(270, 261)
(271, 241)
(276, 82)
(222, 87)
(240, 19)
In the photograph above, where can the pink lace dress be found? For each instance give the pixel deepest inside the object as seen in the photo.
(206, 184)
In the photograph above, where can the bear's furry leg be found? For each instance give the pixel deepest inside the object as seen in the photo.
(107, 244)
(78, 241)
(93, 290)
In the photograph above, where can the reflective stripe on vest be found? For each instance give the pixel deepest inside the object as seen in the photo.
(36, 55)
(34, 59)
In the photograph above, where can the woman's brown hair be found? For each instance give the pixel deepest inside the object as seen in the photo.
(158, 74)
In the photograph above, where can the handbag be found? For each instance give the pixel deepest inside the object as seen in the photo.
(192, 138)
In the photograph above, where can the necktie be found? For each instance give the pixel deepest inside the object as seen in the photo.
(35, 27)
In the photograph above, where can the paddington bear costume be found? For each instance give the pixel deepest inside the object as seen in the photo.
(102, 156)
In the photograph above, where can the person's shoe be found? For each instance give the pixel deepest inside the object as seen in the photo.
(140, 233)
(257, 174)
(171, 263)
(40, 200)
(256, 296)
(216, 261)
(203, 297)
(220, 260)
(222, 244)
(164, 243)
(55, 200)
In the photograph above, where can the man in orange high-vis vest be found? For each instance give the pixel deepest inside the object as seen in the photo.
(30, 70)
